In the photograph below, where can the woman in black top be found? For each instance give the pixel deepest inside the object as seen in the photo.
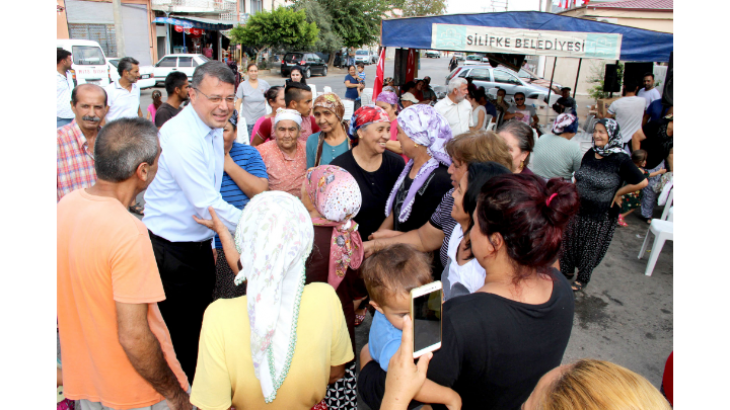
(498, 342)
(659, 146)
(423, 134)
(606, 173)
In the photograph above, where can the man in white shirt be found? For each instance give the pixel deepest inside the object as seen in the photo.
(649, 92)
(187, 183)
(124, 93)
(455, 108)
(64, 113)
(628, 112)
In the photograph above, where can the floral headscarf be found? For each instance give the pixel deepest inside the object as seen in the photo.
(388, 97)
(331, 102)
(564, 123)
(274, 238)
(426, 127)
(614, 145)
(367, 114)
(336, 196)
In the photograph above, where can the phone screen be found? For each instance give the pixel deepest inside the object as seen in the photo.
(427, 320)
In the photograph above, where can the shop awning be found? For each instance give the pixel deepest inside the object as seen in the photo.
(195, 22)
(529, 33)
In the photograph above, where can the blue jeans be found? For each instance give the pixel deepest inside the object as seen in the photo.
(60, 122)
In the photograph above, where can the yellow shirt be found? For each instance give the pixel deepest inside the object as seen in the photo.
(225, 375)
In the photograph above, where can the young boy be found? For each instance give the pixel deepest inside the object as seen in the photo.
(389, 276)
(360, 78)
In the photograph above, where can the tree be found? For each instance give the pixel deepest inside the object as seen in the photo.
(282, 28)
(424, 8)
(327, 41)
(356, 22)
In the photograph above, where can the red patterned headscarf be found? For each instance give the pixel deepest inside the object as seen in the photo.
(366, 115)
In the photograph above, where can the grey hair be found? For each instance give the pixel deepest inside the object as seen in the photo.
(456, 83)
(126, 64)
(523, 133)
(122, 145)
(214, 69)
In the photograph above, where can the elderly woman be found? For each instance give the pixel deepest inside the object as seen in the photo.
(331, 141)
(263, 129)
(464, 149)
(285, 157)
(463, 274)
(283, 342)
(606, 173)
(520, 140)
(374, 168)
(389, 102)
(244, 177)
(555, 155)
(250, 98)
(332, 197)
(423, 134)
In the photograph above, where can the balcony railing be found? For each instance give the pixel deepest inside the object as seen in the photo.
(194, 6)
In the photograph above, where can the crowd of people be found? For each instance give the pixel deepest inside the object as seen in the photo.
(252, 264)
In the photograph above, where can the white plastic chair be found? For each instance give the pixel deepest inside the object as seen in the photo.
(535, 135)
(670, 217)
(327, 89)
(491, 126)
(668, 205)
(663, 231)
(314, 90)
(367, 96)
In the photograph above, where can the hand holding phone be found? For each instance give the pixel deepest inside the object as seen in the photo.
(426, 303)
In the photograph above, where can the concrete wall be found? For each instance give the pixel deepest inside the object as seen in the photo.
(649, 20)
(61, 24)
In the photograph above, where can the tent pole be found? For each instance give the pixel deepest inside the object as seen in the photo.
(577, 76)
(552, 75)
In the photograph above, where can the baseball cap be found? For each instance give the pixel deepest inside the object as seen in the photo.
(409, 97)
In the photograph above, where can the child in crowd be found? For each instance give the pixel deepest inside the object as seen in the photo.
(360, 77)
(156, 103)
(389, 276)
(632, 200)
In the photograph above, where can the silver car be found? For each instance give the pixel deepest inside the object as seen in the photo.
(488, 77)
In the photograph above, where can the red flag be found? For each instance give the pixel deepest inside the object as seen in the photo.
(411, 65)
(379, 75)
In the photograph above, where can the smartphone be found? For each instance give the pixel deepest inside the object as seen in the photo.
(426, 303)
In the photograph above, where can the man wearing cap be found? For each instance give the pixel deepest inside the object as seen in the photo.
(286, 156)
(565, 103)
(408, 99)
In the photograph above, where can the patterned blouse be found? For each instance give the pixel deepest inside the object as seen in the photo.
(285, 173)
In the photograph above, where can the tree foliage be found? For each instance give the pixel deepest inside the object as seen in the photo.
(423, 7)
(327, 40)
(282, 28)
(356, 22)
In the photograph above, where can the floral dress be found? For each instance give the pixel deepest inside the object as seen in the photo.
(632, 200)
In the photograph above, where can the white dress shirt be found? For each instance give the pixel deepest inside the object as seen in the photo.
(122, 103)
(188, 181)
(63, 97)
(458, 115)
(650, 96)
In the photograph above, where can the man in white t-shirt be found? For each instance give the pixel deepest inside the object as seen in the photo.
(455, 108)
(649, 92)
(124, 94)
(628, 111)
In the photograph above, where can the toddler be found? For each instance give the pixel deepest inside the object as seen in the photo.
(632, 200)
(360, 77)
(389, 276)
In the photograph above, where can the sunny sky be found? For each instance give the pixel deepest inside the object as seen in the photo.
(468, 6)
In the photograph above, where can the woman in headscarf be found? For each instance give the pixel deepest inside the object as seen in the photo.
(423, 134)
(606, 173)
(331, 141)
(388, 101)
(554, 155)
(332, 197)
(283, 342)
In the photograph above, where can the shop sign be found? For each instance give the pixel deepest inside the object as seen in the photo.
(482, 39)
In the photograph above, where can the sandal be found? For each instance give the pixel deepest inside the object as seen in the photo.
(137, 209)
(359, 319)
(577, 286)
(621, 221)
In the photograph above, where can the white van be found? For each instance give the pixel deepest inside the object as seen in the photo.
(89, 62)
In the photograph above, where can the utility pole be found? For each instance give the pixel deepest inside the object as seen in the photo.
(548, 7)
(118, 31)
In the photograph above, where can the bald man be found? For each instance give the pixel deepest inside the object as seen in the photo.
(75, 141)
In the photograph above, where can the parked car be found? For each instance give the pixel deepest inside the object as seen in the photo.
(146, 73)
(533, 78)
(310, 62)
(453, 73)
(89, 62)
(433, 54)
(473, 60)
(459, 56)
(177, 62)
(488, 77)
(365, 57)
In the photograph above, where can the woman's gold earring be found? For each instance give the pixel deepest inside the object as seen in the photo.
(522, 164)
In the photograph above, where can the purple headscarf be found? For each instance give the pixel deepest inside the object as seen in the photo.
(426, 127)
(388, 97)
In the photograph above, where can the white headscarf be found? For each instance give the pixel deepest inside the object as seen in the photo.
(288, 114)
(274, 238)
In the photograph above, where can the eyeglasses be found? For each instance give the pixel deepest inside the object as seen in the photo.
(216, 99)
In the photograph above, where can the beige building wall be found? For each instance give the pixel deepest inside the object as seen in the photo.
(61, 23)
